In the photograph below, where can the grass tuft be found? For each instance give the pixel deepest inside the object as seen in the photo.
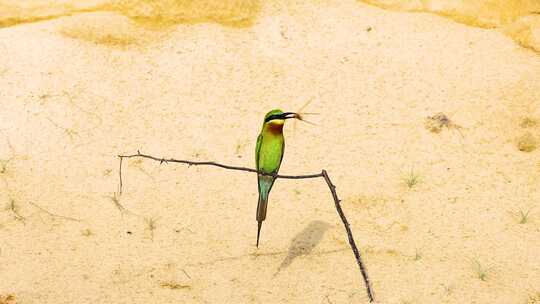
(87, 232)
(417, 255)
(534, 299)
(412, 180)
(151, 226)
(523, 216)
(481, 272)
(8, 299)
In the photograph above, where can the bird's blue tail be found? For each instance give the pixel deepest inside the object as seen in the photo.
(265, 185)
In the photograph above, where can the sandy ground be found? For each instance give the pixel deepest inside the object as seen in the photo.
(76, 91)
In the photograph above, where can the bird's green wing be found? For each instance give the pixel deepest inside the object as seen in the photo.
(282, 153)
(257, 151)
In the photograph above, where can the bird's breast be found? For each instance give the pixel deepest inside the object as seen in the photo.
(271, 152)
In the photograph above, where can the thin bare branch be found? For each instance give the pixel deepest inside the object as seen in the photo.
(207, 163)
(120, 176)
(349, 234)
(323, 175)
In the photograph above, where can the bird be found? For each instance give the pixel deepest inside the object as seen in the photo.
(268, 156)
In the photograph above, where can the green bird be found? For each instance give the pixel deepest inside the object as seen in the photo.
(268, 155)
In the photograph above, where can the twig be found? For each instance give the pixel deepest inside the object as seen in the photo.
(323, 175)
(349, 234)
(67, 218)
(185, 272)
(120, 176)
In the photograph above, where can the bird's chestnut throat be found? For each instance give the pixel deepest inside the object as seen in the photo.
(275, 128)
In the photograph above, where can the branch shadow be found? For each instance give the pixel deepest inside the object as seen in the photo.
(304, 242)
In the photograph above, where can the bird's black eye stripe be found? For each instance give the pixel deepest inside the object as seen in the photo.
(272, 117)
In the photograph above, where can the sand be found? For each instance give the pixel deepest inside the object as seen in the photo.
(442, 213)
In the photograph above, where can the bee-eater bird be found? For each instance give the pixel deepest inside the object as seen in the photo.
(268, 156)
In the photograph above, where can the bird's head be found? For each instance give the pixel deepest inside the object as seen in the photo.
(277, 117)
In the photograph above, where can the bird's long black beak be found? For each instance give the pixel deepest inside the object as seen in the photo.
(288, 115)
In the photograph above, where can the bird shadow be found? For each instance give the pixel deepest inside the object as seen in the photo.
(304, 242)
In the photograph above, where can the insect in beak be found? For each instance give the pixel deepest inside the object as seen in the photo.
(301, 118)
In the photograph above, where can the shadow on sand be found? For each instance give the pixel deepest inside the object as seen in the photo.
(304, 242)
